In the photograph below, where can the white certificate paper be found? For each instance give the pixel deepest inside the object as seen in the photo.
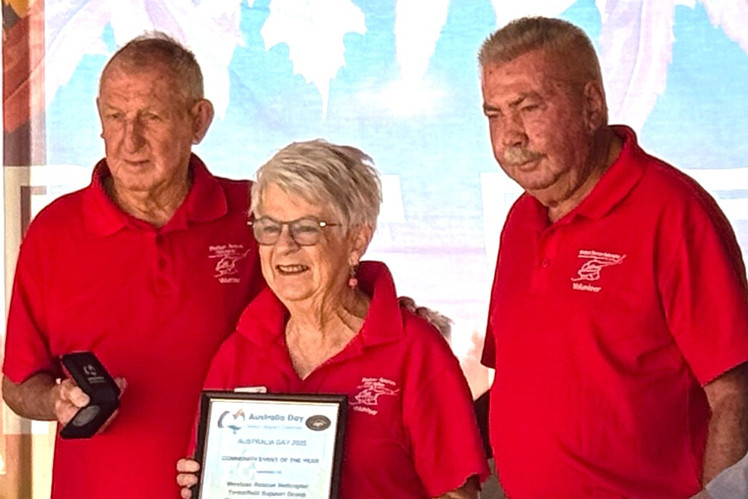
(272, 446)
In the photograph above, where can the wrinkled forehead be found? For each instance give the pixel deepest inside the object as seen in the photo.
(537, 61)
(126, 71)
(533, 71)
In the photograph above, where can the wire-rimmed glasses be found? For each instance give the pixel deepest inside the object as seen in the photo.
(305, 231)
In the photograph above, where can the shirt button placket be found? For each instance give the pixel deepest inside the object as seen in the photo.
(161, 275)
(547, 248)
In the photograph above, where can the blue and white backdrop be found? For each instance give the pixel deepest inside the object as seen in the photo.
(396, 78)
(399, 80)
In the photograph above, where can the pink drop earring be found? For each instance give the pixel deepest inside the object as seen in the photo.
(353, 280)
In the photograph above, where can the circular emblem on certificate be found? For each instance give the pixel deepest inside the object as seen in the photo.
(318, 423)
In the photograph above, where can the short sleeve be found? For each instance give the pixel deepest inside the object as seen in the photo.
(441, 423)
(27, 344)
(488, 358)
(704, 292)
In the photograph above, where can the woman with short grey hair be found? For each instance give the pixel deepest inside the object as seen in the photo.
(330, 323)
(319, 171)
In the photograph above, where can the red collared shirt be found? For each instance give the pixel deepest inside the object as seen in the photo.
(411, 429)
(602, 328)
(152, 304)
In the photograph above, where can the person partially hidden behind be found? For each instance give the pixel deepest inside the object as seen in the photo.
(330, 323)
(148, 267)
(618, 322)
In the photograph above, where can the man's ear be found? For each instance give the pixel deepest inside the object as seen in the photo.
(202, 116)
(594, 105)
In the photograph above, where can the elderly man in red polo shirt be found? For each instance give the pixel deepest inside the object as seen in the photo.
(618, 324)
(148, 267)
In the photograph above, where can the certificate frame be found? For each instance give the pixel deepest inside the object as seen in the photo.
(257, 442)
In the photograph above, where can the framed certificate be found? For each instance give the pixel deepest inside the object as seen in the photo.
(270, 445)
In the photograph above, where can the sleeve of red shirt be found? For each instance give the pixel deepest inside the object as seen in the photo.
(488, 357)
(440, 420)
(704, 291)
(26, 343)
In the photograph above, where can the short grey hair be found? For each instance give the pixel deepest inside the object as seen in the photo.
(342, 177)
(158, 47)
(566, 42)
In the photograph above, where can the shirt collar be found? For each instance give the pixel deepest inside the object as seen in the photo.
(263, 321)
(101, 216)
(617, 181)
(206, 201)
(615, 184)
(384, 322)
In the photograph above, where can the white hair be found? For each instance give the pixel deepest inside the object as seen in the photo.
(158, 47)
(342, 177)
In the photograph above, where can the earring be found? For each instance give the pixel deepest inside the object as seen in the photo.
(352, 280)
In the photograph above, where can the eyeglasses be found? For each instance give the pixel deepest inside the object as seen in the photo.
(304, 231)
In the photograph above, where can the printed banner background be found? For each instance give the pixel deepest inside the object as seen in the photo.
(399, 79)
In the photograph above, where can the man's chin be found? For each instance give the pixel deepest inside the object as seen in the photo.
(528, 167)
(534, 182)
(132, 184)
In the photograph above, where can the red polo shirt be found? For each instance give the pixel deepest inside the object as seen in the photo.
(152, 304)
(411, 431)
(604, 326)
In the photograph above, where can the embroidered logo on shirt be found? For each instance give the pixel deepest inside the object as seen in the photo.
(590, 270)
(227, 255)
(370, 391)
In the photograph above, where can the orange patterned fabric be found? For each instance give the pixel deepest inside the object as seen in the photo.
(23, 62)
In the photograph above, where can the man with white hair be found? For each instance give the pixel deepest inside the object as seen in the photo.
(148, 267)
(618, 324)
